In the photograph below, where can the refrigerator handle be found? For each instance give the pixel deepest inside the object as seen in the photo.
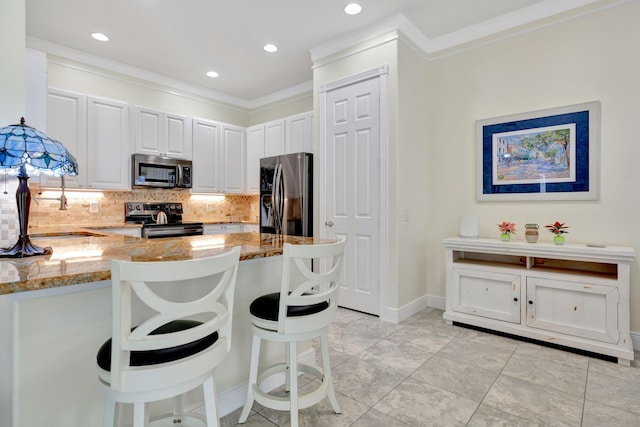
(277, 193)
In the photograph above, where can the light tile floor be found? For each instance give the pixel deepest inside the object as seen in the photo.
(423, 372)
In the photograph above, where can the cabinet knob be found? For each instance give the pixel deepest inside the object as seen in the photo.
(516, 299)
(530, 302)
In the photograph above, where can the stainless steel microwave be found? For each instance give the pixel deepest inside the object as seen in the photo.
(160, 172)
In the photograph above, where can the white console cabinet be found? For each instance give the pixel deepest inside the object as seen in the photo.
(571, 295)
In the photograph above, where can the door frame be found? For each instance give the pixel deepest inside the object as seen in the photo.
(381, 74)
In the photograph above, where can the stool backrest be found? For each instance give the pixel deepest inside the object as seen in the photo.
(214, 276)
(315, 287)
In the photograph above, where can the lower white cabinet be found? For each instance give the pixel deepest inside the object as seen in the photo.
(570, 295)
(222, 228)
(127, 231)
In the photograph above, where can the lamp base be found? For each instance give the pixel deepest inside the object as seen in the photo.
(24, 248)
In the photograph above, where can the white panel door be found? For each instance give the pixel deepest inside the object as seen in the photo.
(206, 149)
(67, 122)
(232, 158)
(255, 151)
(353, 189)
(108, 144)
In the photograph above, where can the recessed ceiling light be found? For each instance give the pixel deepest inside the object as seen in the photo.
(212, 74)
(101, 37)
(271, 48)
(352, 9)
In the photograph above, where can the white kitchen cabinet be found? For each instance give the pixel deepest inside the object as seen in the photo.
(250, 228)
(67, 122)
(162, 134)
(570, 295)
(222, 228)
(274, 138)
(255, 151)
(298, 133)
(232, 159)
(206, 150)
(108, 144)
(126, 231)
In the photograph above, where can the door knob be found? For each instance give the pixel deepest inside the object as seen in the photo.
(329, 224)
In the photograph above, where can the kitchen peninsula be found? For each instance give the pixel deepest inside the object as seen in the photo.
(55, 312)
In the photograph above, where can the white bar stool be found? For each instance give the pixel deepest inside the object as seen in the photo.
(299, 312)
(169, 352)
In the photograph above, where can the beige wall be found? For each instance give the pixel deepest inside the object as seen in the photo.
(283, 108)
(594, 57)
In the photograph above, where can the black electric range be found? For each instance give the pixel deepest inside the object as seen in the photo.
(148, 215)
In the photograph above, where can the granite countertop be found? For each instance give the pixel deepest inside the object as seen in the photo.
(84, 255)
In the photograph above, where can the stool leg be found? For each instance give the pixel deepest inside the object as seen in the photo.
(253, 379)
(293, 381)
(109, 413)
(326, 370)
(287, 381)
(138, 414)
(210, 403)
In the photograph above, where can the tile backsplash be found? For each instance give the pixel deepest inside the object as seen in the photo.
(110, 207)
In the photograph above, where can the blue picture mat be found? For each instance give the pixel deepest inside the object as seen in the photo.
(581, 120)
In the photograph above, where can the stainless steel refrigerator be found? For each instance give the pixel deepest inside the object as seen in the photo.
(286, 194)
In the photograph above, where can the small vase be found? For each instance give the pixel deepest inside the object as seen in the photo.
(558, 240)
(505, 237)
(531, 233)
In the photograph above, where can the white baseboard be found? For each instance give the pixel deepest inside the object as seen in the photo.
(397, 315)
(233, 398)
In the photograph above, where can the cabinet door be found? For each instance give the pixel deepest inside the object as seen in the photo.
(232, 159)
(255, 151)
(298, 133)
(274, 138)
(177, 133)
(108, 144)
(487, 294)
(575, 308)
(148, 131)
(67, 122)
(206, 150)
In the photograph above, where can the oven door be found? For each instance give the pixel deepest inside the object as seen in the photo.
(157, 231)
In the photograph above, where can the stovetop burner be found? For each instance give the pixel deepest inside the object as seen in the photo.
(147, 215)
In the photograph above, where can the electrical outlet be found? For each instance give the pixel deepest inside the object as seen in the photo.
(209, 207)
(94, 207)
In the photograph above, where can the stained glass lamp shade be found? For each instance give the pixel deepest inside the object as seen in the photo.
(24, 150)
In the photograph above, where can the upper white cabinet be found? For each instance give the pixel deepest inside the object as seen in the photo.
(255, 151)
(232, 159)
(274, 134)
(108, 144)
(162, 134)
(206, 150)
(67, 122)
(298, 133)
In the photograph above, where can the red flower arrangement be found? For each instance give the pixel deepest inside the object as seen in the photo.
(557, 228)
(507, 227)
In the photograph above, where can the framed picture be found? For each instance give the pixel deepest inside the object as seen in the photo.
(543, 155)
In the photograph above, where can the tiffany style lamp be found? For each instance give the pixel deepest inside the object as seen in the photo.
(24, 150)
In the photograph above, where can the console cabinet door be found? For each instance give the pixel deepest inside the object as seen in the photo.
(108, 144)
(574, 308)
(487, 294)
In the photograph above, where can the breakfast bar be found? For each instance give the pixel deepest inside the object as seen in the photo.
(55, 312)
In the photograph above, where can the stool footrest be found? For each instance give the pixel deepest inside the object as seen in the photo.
(283, 403)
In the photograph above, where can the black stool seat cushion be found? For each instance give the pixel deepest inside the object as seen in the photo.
(267, 306)
(164, 355)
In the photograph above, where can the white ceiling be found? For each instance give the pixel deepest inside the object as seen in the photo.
(183, 39)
